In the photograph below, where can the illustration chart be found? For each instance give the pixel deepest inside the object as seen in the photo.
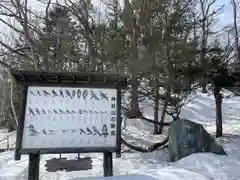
(57, 117)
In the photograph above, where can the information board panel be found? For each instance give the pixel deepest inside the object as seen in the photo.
(62, 117)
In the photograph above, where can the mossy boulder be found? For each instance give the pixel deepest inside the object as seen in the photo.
(187, 137)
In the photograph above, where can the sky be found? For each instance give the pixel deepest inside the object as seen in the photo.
(225, 18)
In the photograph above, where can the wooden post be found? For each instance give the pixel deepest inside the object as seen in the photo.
(33, 166)
(107, 164)
(17, 155)
(119, 122)
(118, 154)
(218, 102)
(156, 106)
(110, 164)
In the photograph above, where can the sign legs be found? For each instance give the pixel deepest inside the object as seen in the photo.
(108, 164)
(33, 166)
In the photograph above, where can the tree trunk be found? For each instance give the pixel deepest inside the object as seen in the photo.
(12, 122)
(156, 107)
(134, 85)
(163, 116)
(164, 108)
(204, 88)
(236, 32)
(218, 101)
(203, 44)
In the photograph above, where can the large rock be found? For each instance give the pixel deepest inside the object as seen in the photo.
(187, 137)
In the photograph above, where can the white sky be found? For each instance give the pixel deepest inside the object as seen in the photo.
(225, 18)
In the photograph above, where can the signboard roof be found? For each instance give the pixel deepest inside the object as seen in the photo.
(66, 78)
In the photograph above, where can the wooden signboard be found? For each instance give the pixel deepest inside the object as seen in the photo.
(69, 113)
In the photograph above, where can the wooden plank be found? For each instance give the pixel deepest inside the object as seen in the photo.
(67, 77)
(21, 118)
(52, 73)
(82, 85)
(69, 150)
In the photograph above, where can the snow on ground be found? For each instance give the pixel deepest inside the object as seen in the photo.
(7, 140)
(155, 165)
(123, 177)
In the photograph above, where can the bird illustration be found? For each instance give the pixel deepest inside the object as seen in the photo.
(74, 130)
(90, 111)
(74, 112)
(79, 93)
(82, 131)
(61, 111)
(54, 93)
(50, 112)
(32, 134)
(65, 130)
(103, 96)
(46, 93)
(73, 93)
(44, 112)
(51, 131)
(85, 94)
(61, 93)
(32, 93)
(38, 93)
(105, 130)
(68, 93)
(31, 111)
(96, 131)
(33, 131)
(37, 112)
(94, 96)
(30, 126)
(80, 111)
(89, 132)
(44, 132)
(55, 111)
(68, 112)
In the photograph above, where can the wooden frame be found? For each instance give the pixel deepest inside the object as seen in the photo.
(68, 79)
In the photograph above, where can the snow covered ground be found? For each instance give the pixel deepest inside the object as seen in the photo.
(151, 166)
